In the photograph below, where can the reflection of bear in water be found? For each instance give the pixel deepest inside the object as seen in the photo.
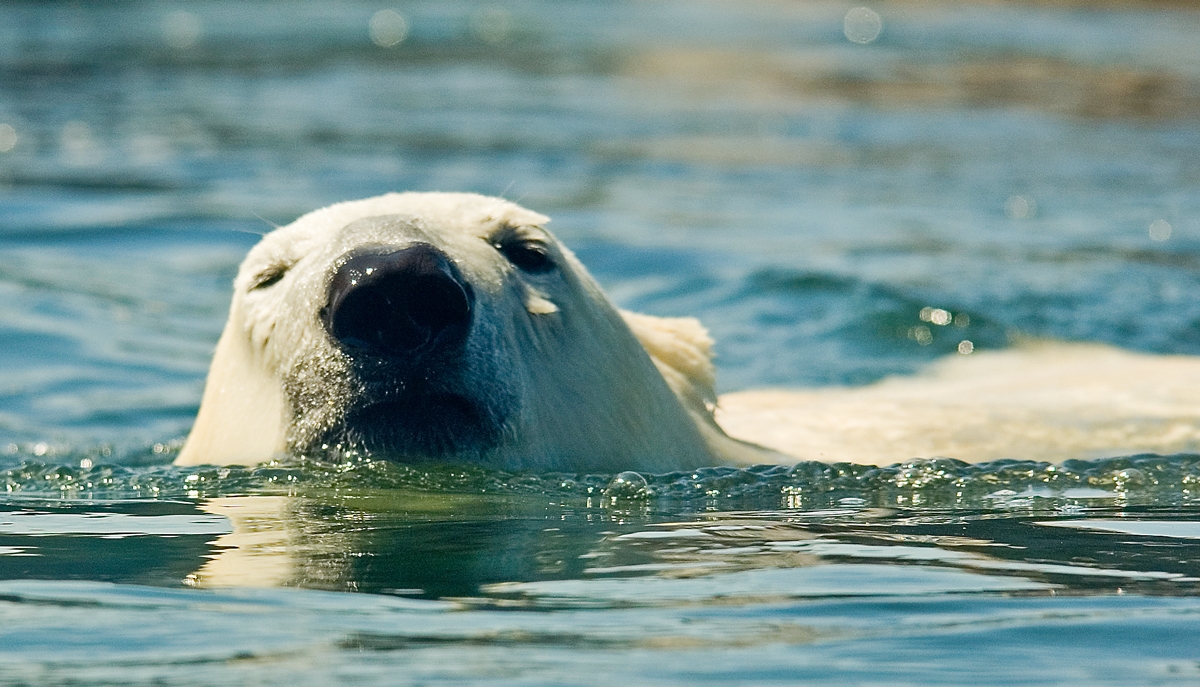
(438, 326)
(450, 327)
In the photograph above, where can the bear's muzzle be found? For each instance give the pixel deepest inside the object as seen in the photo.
(403, 303)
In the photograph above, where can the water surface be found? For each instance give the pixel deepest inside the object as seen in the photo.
(1032, 167)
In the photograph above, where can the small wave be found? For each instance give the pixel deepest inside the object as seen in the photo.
(939, 483)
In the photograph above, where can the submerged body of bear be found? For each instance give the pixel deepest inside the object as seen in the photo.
(454, 327)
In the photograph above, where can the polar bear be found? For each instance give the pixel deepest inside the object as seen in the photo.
(455, 327)
(446, 326)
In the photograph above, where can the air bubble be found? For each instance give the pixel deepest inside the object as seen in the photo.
(627, 486)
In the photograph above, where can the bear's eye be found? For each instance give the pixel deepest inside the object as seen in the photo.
(268, 277)
(527, 256)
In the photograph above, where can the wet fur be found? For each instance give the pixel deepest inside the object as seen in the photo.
(553, 376)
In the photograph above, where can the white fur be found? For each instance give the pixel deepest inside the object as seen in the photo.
(1046, 401)
(592, 388)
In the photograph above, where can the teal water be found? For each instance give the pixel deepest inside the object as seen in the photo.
(1036, 167)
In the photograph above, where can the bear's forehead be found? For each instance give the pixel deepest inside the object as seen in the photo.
(451, 220)
(450, 214)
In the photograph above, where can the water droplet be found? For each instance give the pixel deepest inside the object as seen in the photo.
(1160, 230)
(862, 25)
(388, 28)
(965, 347)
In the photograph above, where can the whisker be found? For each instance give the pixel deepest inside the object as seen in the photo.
(267, 221)
(251, 231)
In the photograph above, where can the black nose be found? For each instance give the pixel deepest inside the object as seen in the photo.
(403, 303)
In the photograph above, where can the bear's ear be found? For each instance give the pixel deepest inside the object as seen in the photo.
(682, 351)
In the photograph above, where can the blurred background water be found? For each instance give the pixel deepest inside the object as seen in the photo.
(805, 177)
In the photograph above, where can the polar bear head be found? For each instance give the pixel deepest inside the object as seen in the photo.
(439, 326)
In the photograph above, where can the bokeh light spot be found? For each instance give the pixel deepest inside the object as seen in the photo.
(1020, 207)
(388, 28)
(78, 144)
(937, 316)
(1160, 230)
(492, 25)
(8, 138)
(862, 25)
(921, 335)
(181, 30)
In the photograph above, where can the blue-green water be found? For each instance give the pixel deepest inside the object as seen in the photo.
(1035, 167)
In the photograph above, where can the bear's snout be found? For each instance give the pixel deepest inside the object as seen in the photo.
(399, 303)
